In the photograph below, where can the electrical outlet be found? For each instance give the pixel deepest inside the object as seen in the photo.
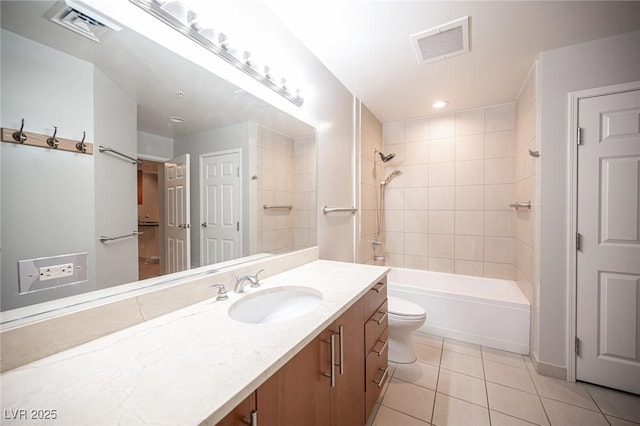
(56, 271)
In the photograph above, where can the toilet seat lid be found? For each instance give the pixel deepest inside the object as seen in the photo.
(404, 308)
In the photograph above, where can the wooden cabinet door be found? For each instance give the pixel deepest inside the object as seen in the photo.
(348, 397)
(289, 397)
(243, 410)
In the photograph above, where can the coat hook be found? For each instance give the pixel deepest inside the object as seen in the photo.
(52, 141)
(19, 136)
(81, 146)
(534, 153)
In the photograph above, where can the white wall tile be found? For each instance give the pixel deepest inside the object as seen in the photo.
(416, 176)
(394, 242)
(416, 130)
(469, 247)
(470, 147)
(416, 221)
(470, 172)
(499, 223)
(394, 199)
(501, 271)
(469, 223)
(470, 122)
(442, 246)
(442, 198)
(443, 126)
(469, 267)
(499, 249)
(499, 170)
(416, 244)
(416, 199)
(416, 262)
(441, 222)
(393, 133)
(501, 117)
(470, 197)
(498, 197)
(416, 152)
(394, 220)
(442, 150)
(441, 265)
(499, 144)
(442, 174)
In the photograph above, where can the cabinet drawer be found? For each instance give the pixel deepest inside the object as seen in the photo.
(376, 364)
(374, 327)
(375, 296)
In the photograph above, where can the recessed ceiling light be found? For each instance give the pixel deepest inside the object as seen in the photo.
(176, 119)
(440, 104)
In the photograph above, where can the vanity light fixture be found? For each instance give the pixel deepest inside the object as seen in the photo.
(439, 104)
(189, 27)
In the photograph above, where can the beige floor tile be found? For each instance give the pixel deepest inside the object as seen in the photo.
(508, 376)
(516, 403)
(573, 393)
(462, 363)
(614, 421)
(428, 339)
(410, 399)
(462, 347)
(418, 373)
(389, 417)
(499, 419)
(503, 357)
(569, 415)
(464, 387)
(429, 354)
(452, 411)
(619, 404)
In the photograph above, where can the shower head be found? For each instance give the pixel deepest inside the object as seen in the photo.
(389, 178)
(386, 158)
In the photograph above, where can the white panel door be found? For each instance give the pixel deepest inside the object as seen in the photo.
(177, 226)
(221, 204)
(608, 269)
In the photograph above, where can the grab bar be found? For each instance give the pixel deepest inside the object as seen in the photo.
(326, 209)
(519, 204)
(107, 149)
(104, 239)
(268, 207)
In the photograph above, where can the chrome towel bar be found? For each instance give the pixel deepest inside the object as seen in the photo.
(326, 209)
(107, 149)
(517, 205)
(104, 239)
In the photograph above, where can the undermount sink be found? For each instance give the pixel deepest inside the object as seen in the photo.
(276, 304)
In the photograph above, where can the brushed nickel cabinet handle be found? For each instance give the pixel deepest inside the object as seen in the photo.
(386, 343)
(384, 375)
(332, 373)
(252, 420)
(384, 315)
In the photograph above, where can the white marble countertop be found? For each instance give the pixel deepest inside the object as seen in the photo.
(184, 368)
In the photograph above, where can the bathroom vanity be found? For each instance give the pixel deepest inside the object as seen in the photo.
(197, 365)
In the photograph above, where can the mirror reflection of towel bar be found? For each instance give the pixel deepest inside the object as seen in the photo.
(113, 151)
(104, 239)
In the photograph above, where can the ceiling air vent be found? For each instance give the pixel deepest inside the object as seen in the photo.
(442, 42)
(80, 19)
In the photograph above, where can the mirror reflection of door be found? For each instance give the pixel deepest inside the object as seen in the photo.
(221, 234)
(177, 226)
(149, 219)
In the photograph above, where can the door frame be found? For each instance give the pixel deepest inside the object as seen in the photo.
(200, 194)
(572, 220)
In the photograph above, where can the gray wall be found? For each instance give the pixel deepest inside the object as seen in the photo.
(603, 62)
(47, 196)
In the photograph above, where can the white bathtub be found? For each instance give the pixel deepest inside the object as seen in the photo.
(486, 311)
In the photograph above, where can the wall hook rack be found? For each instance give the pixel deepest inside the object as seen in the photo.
(52, 141)
(20, 136)
(46, 141)
(81, 146)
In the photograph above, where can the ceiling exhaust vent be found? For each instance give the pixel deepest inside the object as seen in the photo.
(80, 19)
(442, 42)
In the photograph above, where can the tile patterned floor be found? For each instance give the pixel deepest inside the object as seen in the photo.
(461, 384)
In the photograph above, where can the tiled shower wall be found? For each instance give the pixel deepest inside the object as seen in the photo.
(525, 186)
(449, 210)
(286, 176)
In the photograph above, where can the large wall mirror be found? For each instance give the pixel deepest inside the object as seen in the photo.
(223, 175)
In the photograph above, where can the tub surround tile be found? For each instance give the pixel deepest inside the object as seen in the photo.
(469, 197)
(443, 126)
(441, 264)
(499, 144)
(442, 150)
(470, 122)
(469, 223)
(198, 347)
(469, 267)
(393, 133)
(442, 198)
(416, 129)
(500, 117)
(443, 174)
(470, 147)
(442, 222)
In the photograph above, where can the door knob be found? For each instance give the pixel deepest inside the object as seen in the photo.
(204, 224)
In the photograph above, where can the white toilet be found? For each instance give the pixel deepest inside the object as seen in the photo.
(404, 318)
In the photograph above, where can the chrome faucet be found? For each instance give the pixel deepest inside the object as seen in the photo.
(253, 279)
(222, 291)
